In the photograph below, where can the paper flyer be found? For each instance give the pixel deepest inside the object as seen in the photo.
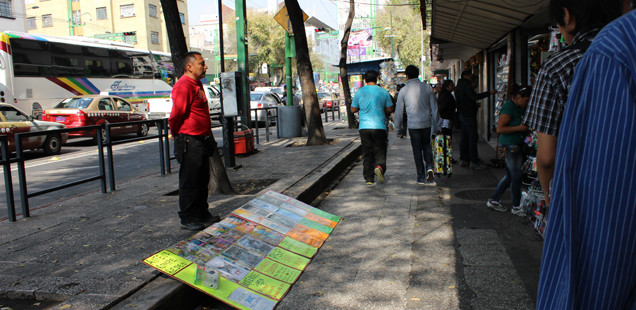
(316, 226)
(326, 215)
(298, 247)
(167, 262)
(265, 285)
(288, 258)
(278, 271)
(251, 258)
(251, 300)
(320, 220)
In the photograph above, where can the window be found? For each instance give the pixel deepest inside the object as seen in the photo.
(122, 105)
(154, 37)
(77, 17)
(182, 18)
(152, 10)
(105, 105)
(31, 23)
(13, 115)
(102, 13)
(31, 58)
(5, 8)
(127, 10)
(47, 20)
(68, 59)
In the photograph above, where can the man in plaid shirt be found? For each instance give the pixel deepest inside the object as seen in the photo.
(550, 92)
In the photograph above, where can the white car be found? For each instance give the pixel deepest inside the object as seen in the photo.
(265, 99)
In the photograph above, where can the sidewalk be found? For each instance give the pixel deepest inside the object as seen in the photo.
(407, 246)
(400, 245)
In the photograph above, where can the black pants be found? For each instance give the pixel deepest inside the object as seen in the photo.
(194, 174)
(374, 144)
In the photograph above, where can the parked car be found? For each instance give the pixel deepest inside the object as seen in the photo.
(276, 90)
(14, 121)
(326, 101)
(265, 99)
(89, 110)
(214, 101)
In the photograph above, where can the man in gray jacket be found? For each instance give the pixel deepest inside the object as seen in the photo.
(422, 119)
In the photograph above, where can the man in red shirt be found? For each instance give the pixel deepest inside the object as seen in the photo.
(190, 126)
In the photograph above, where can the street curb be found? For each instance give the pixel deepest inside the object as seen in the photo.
(161, 292)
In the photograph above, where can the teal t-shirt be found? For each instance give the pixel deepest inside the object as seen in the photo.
(371, 100)
(515, 113)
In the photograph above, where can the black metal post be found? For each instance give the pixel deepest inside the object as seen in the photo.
(100, 159)
(228, 141)
(162, 161)
(109, 155)
(8, 181)
(256, 125)
(267, 124)
(166, 143)
(24, 199)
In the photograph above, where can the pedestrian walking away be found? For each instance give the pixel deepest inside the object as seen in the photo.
(511, 135)
(190, 126)
(418, 100)
(588, 257)
(373, 104)
(468, 107)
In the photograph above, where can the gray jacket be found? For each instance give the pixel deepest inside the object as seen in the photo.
(421, 106)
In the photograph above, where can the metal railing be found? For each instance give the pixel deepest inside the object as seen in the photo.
(24, 193)
(8, 181)
(335, 109)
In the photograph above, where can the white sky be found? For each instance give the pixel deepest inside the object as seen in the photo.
(324, 10)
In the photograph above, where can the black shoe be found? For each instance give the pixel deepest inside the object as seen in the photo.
(192, 226)
(210, 219)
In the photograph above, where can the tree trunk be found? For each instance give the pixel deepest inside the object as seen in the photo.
(315, 131)
(219, 180)
(343, 65)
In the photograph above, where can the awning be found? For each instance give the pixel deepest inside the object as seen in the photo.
(479, 23)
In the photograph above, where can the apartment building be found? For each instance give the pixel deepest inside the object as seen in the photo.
(138, 22)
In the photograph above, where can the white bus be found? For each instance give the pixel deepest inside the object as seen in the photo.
(37, 71)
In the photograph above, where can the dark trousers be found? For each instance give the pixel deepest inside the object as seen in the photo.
(422, 151)
(469, 138)
(194, 175)
(374, 144)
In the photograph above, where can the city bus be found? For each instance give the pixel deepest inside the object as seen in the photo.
(38, 71)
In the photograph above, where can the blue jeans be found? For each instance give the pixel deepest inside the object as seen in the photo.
(469, 138)
(512, 177)
(422, 151)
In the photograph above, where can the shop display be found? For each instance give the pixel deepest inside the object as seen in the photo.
(251, 258)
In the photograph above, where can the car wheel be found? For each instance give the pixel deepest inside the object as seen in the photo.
(103, 131)
(52, 145)
(143, 130)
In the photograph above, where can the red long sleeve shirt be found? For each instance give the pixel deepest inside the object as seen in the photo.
(190, 112)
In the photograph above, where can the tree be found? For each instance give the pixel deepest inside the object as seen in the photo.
(219, 180)
(315, 130)
(402, 38)
(343, 64)
(267, 41)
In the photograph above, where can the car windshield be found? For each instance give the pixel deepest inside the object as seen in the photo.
(278, 91)
(74, 103)
(255, 96)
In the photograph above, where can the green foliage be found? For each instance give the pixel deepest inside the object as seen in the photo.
(407, 24)
(266, 40)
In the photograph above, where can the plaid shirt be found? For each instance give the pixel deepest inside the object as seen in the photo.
(550, 91)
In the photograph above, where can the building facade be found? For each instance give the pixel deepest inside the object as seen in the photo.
(12, 15)
(138, 22)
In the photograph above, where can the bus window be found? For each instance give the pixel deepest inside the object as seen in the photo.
(67, 59)
(97, 62)
(165, 68)
(31, 58)
(122, 64)
(142, 65)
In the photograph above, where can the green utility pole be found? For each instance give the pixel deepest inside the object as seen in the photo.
(241, 51)
(290, 52)
(70, 18)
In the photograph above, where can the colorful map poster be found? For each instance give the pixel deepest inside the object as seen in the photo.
(251, 258)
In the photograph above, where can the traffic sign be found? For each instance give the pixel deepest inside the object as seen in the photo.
(282, 17)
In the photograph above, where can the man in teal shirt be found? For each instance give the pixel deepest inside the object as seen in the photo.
(374, 103)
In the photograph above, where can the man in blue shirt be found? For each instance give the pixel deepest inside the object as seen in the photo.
(374, 103)
(589, 253)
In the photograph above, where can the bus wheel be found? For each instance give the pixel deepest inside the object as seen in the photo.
(52, 145)
(143, 130)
